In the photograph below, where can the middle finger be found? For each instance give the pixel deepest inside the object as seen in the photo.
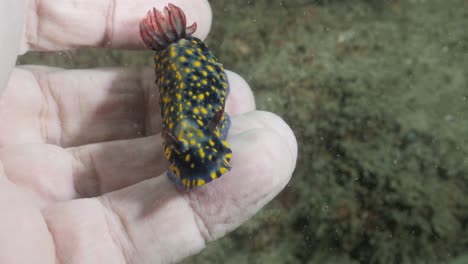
(77, 107)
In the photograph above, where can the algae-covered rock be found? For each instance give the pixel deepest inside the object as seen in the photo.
(375, 95)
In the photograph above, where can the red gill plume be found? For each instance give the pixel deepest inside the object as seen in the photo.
(159, 29)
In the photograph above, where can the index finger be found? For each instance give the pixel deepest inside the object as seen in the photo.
(61, 25)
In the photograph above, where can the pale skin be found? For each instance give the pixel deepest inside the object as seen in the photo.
(83, 171)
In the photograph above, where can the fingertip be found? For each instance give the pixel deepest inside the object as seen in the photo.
(202, 15)
(260, 170)
(264, 119)
(240, 99)
(280, 126)
(270, 165)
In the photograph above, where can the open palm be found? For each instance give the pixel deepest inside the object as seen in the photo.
(82, 177)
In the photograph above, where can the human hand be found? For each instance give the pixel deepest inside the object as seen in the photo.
(83, 170)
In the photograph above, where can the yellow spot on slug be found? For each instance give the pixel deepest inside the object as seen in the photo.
(202, 153)
(183, 141)
(175, 170)
(173, 53)
(222, 170)
(200, 182)
(168, 152)
(185, 182)
(199, 133)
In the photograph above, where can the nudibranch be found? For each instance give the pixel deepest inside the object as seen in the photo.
(193, 89)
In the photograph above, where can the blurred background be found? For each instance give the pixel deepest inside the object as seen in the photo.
(376, 93)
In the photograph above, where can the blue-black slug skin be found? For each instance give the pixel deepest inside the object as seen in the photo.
(193, 91)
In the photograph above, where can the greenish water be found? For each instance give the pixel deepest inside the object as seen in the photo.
(376, 92)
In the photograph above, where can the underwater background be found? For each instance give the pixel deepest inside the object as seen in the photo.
(376, 93)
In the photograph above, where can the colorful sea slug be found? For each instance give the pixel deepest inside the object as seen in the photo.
(193, 91)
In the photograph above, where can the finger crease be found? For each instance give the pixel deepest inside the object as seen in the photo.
(114, 221)
(95, 174)
(58, 259)
(43, 111)
(145, 99)
(60, 114)
(109, 31)
(43, 82)
(202, 226)
(32, 36)
(89, 185)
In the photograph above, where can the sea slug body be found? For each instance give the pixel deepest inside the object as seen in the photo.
(193, 90)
